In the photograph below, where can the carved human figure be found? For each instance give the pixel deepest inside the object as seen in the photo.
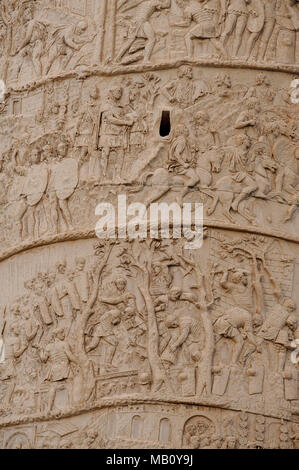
(122, 297)
(284, 34)
(65, 42)
(63, 182)
(36, 182)
(236, 324)
(59, 356)
(10, 370)
(270, 7)
(241, 170)
(32, 45)
(104, 331)
(206, 136)
(249, 119)
(255, 24)
(81, 280)
(278, 328)
(114, 132)
(166, 301)
(137, 108)
(180, 151)
(86, 130)
(184, 91)
(207, 15)
(261, 90)
(143, 28)
(235, 281)
(64, 297)
(186, 337)
(236, 20)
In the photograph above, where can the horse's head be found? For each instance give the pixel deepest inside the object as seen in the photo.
(269, 164)
(288, 129)
(216, 158)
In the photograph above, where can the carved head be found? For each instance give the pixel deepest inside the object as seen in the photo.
(61, 267)
(35, 156)
(242, 141)
(175, 294)
(115, 93)
(134, 93)
(80, 263)
(120, 283)
(292, 322)
(185, 71)
(201, 118)
(59, 333)
(239, 276)
(47, 152)
(171, 321)
(81, 27)
(290, 305)
(223, 84)
(262, 79)
(157, 268)
(231, 442)
(15, 328)
(62, 149)
(181, 129)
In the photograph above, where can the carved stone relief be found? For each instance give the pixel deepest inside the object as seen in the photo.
(117, 343)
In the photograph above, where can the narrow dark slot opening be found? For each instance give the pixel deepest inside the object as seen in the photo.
(165, 125)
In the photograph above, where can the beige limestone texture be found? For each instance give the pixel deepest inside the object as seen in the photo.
(144, 343)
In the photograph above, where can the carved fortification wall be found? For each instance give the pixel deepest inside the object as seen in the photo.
(127, 343)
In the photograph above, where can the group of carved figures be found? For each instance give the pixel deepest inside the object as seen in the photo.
(84, 332)
(234, 28)
(37, 44)
(244, 28)
(236, 144)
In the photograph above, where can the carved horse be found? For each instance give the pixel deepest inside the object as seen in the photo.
(163, 180)
(227, 187)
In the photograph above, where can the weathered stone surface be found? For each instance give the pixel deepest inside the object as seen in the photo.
(144, 343)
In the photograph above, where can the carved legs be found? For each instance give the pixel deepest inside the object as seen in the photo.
(65, 212)
(265, 39)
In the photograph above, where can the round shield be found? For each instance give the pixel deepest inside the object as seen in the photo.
(256, 17)
(35, 184)
(66, 178)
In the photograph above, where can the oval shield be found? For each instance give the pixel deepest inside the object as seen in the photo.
(66, 178)
(256, 17)
(35, 184)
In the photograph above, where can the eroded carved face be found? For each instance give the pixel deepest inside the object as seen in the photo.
(61, 268)
(116, 93)
(80, 264)
(239, 277)
(292, 322)
(120, 284)
(60, 334)
(175, 294)
(35, 156)
(62, 149)
(81, 27)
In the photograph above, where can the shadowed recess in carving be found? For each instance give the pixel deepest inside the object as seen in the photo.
(165, 124)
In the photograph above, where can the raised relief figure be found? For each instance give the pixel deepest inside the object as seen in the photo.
(142, 28)
(207, 15)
